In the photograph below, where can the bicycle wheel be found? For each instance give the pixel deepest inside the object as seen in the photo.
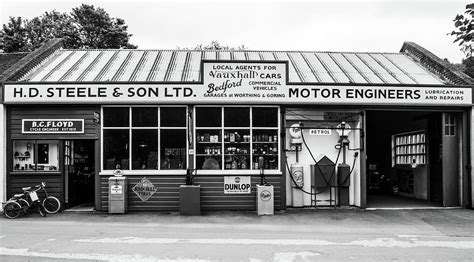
(12, 210)
(23, 203)
(41, 210)
(51, 204)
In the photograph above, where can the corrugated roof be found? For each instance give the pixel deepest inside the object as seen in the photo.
(183, 66)
(7, 60)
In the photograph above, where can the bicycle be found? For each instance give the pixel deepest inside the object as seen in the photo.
(51, 204)
(20, 204)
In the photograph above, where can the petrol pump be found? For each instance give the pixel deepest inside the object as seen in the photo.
(296, 170)
(343, 169)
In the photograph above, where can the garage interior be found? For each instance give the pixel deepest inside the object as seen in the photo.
(405, 159)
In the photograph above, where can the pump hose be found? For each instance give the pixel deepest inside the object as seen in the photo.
(328, 185)
(350, 172)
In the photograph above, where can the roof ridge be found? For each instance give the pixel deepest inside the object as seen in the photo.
(192, 50)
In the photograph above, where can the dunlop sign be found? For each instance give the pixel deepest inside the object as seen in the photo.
(237, 185)
(53, 126)
(144, 189)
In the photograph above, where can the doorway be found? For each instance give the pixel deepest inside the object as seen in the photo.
(79, 173)
(405, 159)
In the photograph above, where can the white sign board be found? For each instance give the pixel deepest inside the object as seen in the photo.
(116, 189)
(320, 132)
(230, 82)
(237, 185)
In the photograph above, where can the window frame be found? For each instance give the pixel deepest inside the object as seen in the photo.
(130, 128)
(251, 128)
(35, 149)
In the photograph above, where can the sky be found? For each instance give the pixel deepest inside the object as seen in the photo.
(358, 26)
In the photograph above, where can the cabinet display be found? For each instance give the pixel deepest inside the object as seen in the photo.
(237, 149)
(265, 144)
(409, 148)
(209, 149)
(237, 138)
(35, 155)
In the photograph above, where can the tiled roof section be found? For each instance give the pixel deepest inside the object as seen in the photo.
(34, 61)
(435, 64)
(183, 66)
(7, 60)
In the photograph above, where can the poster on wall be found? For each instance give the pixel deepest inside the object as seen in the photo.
(144, 189)
(237, 185)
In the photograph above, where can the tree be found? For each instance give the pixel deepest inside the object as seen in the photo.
(464, 32)
(85, 27)
(215, 45)
(14, 35)
(468, 64)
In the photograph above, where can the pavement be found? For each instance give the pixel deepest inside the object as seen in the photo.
(293, 235)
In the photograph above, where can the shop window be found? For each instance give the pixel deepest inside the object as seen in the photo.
(136, 146)
(145, 149)
(238, 143)
(116, 145)
(35, 155)
(173, 149)
(265, 117)
(236, 117)
(144, 117)
(116, 116)
(173, 116)
(209, 117)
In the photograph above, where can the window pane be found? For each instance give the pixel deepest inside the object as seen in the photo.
(208, 117)
(145, 116)
(265, 117)
(23, 155)
(237, 149)
(236, 116)
(173, 116)
(116, 116)
(48, 155)
(265, 149)
(145, 149)
(43, 151)
(173, 149)
(116, 145)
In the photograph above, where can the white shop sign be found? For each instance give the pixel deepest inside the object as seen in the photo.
(236, 82)
(237, 185)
